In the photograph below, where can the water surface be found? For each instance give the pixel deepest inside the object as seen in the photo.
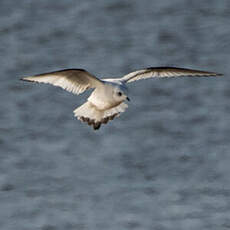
(164, 164)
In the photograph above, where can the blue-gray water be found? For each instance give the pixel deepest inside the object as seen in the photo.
(164, 164)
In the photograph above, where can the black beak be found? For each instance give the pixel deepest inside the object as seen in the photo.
(127, 98)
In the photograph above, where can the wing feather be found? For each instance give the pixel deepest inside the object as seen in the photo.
(165, 72)
(73, 80)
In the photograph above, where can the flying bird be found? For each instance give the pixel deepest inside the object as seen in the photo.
(107, 100)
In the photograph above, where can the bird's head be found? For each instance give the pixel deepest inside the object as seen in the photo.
(120, 94)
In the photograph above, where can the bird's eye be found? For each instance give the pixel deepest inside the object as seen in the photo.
(119, 94)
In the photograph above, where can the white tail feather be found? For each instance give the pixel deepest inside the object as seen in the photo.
(90, 114)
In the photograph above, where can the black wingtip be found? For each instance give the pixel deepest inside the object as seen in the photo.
(214, 75)
(220, 74)
(28, 80)
(23, 79)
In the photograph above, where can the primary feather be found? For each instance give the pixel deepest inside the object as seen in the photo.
(164, 72)
(72, 80)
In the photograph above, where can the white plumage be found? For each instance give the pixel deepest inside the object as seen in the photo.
(107, 100)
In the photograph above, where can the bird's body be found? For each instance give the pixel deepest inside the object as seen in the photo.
(101, 106)
(102, 98)
(107, 100)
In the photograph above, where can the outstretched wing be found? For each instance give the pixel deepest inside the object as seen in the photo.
(164, 72)
(72, 80)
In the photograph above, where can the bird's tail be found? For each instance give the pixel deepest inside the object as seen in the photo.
(90, 114)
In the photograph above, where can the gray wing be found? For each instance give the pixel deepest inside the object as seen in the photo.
(72, 80)
(164, 72)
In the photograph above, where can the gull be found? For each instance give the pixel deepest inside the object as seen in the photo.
(107, 100)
